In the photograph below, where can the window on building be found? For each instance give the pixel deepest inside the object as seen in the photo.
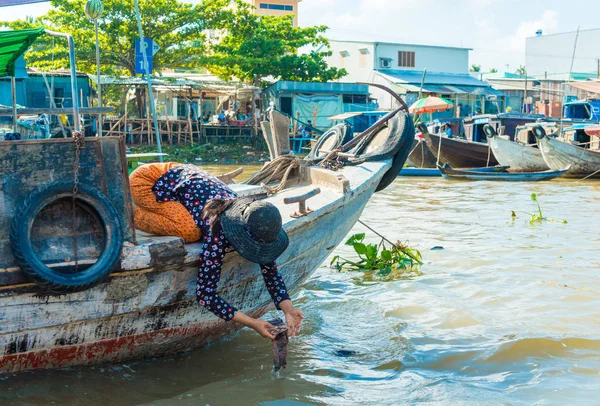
(343, 58)
(281, 7)
(406, 59)
(362, 57)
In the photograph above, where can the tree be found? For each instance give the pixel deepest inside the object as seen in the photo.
(475, 68)
(257, 47)
(175, 26)
(522, 71)
(493, 70)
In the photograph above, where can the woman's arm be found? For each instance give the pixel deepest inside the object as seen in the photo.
(281, 298)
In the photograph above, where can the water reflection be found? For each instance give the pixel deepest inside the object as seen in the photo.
(489, 321)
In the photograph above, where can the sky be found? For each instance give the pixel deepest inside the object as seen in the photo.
(495, 29)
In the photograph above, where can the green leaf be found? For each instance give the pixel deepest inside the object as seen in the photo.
(534, 197)
(386, 255)
(334, 260)
(361, 249)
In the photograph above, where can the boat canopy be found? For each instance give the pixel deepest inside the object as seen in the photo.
(13, 44)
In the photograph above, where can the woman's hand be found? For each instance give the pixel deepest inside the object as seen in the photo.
(263, 328)
(293, 317)
(260, 326)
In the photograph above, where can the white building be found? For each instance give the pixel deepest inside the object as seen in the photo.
(401, 67)
(550, 56)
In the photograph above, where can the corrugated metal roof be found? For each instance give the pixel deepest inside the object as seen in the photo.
(592, 86)
(138, 81)
(431, 78)
(319, 87)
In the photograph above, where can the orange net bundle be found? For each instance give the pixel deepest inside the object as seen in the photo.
(159, 218)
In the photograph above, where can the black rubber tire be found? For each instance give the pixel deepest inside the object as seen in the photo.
(397, 127)
(490, 132)
(341, 134)
(401, 156)
(48, 279)
(539, 132)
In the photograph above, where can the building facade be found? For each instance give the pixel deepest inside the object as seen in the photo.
(550, 56)
(417, 70)
(277, 7)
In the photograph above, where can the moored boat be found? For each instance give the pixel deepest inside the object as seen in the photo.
(144, 306)
(582, 162)
(453, 174)
(519, 157)
(460, 153)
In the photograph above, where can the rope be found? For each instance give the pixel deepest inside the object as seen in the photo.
(277, 170)
(439, 152)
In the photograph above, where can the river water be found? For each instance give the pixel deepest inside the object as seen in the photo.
(506, 313)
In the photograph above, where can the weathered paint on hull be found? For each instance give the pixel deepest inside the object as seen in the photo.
(518, 157)
(151, 314)
(561, 155)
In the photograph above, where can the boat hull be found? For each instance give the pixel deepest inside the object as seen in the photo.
(451, 174)
(459, 153)
(561, 155)
(421, 156)
(148, 309)
(519, 157)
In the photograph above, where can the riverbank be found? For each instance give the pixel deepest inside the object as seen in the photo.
(210, 154)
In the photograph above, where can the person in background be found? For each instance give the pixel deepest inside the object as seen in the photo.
(448, 130)
(307, 130)
(222, 117)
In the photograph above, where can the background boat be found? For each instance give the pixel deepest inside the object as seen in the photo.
(460, 153)
(453, 174)
(560, 155)
(519, 157)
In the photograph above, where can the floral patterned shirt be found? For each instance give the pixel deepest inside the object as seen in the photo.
(192, 187)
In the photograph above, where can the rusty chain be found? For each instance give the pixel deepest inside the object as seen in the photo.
(79, 145)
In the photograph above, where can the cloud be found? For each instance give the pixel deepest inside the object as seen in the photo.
(548, 23)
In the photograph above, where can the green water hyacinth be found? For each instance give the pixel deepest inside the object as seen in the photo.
(380, 260)
(539, 216)
(94, 9)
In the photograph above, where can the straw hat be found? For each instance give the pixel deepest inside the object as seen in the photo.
(254, 229)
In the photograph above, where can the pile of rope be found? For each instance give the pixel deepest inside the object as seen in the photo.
(277, 170)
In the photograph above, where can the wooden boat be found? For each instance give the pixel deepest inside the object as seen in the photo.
(560, 155)
(422, 172)
(454, 174)
(460, 153)
(421, 156)
(146, 307)
(519, 157)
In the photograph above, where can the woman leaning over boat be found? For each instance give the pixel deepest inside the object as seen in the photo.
(226, 223)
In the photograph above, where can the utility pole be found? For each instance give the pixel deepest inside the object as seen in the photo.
(598, 68)
(525, 94)
(148, 78)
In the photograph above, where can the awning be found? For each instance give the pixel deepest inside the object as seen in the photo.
(14, 44)
(592, 86)
(439, 82)
(593, 130)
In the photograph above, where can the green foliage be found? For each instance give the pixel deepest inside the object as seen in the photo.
(176, 26)
(536, 217)
(493, 70)
(250, 48)
(475, 68)
(256, 47)
(378, 260)
(208, 153)
(522, 71)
